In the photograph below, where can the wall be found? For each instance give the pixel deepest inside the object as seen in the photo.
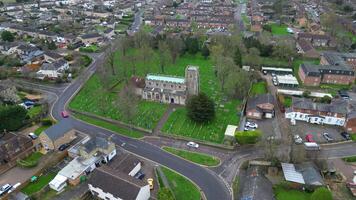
(337, 79)
(144, 193)
(101, 194)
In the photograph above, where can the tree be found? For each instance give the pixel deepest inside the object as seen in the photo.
(110, 56)
(192, 45)
(9, 95)
(348, 8)
(321, 194)
(253, 57)
(237, 84)
(306, 93)
(297, 154)
(164, 55)
(223, 68)
(51, 45)
(238, 57)
(12, 117)
(141, 38)
(200, 108)
(146, 55)
(325, 99)
(176, 45)
(104, 74)
(7, 36)
(205, 52)
(127, 103)
(330, 23)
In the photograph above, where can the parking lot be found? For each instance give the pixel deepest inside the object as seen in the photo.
(304, 128)
(269, 127)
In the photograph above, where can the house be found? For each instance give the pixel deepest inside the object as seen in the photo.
(90, 38)
(170, 89)
(91, 154)
(306, 49)
(337, 59)
(304, 109)
(314, 75)
(304, 174)
(108, 185)
(138, 84)
(8, 48)
(29, 53)
(109, 33)
(53, 70)
(260, 106)
(58, 134)
(50, 56)
(350, 124)
(14, 146)
(316, 40)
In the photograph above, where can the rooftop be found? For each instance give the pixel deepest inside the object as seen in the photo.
(58, 130)
(165, 78)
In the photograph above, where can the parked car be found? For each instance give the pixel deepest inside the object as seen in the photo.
(275, 83)
(32, 136)
(298, 139)
(5, 188)
(309, 138)
(343, 94)
(345, 135)
(64, 114)
(140, 175)
(251, 124)
(311, 146)
(328, 137)
(63, 146)
(192, 144)
(150, 183)
(248, 129)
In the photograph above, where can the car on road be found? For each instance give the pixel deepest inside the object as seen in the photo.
(298, 139)
(192, 144)
(5, 188)
(64, 114)
(328, 137)
(251, 124)
(63, 146)
(32, 136)
(343, 94)
(345, 135)
(150, 183)
(139, 175)
(309, 138)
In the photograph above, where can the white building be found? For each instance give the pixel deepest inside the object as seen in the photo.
(53, 70)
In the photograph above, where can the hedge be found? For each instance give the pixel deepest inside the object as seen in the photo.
(248, 137)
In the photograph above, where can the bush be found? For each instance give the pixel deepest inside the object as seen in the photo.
(85, 60)
(12, 117)
(248, 137)
(30, 161)
(321, 194)
(46, 122)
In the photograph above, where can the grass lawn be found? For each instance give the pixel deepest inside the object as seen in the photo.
(245, 19)
(35, 111)
(259, 88)
(181, 187)
(121, 27)
(279, 29)
(112, 127)
(40, 129)
(353, 137)
(350, 159)
(41, 182)
(199, 158)
(287, 101)
(33, 157)
(91, 48)
(283, 194)
(94, 99)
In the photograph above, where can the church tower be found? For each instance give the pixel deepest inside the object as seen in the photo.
(192, 80)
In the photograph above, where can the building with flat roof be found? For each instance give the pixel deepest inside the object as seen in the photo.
(287, 81)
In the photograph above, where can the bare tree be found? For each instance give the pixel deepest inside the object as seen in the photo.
(224, 65)
(176, 46)
(298, 153)
(164, 55)
(146, 55)
(127, 103)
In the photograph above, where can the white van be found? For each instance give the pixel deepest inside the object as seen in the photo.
(311, 146)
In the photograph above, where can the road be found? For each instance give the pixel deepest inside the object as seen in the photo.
(210, 183)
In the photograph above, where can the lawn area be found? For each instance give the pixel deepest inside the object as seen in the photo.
(245, 19)
(353, 137)
(42, 181)
(112, 127)
(350, 159)
(181, 187)
(121, 27)
(89, 49)
(94, 99)
(199, 158)
(40, 129)
(33, 157)
(287, 101)
(279, 29)
(283, 194)
(258, 88)
(35, 111)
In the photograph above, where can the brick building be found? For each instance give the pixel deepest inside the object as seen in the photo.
(336, 58)
(314, 75)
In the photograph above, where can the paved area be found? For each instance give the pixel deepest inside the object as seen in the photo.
(347, 169)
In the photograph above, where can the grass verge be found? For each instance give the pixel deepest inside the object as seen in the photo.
(112, 127)
(199, 158)
(284, 194)
(40, 129)
(349, 159)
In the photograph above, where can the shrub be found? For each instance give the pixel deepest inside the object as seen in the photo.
(321, 194)
(46, 122)
(201, 108)
(26, 164)
(248, 137)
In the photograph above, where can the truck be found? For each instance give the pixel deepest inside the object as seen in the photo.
(311, 146)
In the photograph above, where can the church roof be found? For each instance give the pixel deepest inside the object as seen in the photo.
(165, 78)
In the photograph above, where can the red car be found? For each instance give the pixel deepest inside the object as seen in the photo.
(65, 114)
(309, 138)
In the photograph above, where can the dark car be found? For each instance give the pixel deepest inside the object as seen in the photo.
(140, 175)
(343, 94)
(345, 135)
(63, 147)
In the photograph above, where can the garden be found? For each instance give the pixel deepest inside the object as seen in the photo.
(37, 185)
(258, 88)
(30, 161)
(90, 49)
(199, 158)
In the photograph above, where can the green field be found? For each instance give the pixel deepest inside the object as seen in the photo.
(112, 127)
(258, 88)
(94, 99)
(283, 194)
(279, 29)
(199, 158)
(41, 182)
(181, 187)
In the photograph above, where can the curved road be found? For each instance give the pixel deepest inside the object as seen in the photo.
(211, 184)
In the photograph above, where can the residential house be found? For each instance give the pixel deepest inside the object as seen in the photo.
(260, 106)
(8, 48)
(29, 53)
(108, 185)
(337, 59)
(314, 75)
(56, 135)
(304, 109)
(316, 40)
(304, 174)
(50, 56)
(53, 70)
(306, 49)
(90, 38)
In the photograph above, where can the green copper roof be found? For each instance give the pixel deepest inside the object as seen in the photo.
(165, 78)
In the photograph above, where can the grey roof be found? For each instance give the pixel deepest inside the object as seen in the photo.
(337, 106)
(310, 174)
(336, 58)
(124, 163)
(318, 70)
(90, 35)
(305, 45)
(53, 54)
(96, 142)
(59, 130)
(119, 185)
(291, 174)
(259, 99)
(53, 66)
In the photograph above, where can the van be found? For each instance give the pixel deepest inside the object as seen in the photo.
(311, 146)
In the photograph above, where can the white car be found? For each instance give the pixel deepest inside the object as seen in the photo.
(298, 139)
(192, 144)
(251, 125)
(5, 188)
(32, 136)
